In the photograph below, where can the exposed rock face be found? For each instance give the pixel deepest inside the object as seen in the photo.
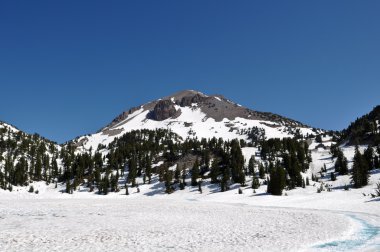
(215, 106)
(121, 117)
(163, 110)
(188, 100)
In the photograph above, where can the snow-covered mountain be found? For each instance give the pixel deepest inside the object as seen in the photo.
(193, 114)
(364, 130)
(26, 157)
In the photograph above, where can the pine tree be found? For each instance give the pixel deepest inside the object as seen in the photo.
(261, 171)
(184, 176)
(251, 166)
(237, 163)
(255, 183)
(148, 168)
(359, 170)
(177, 174)
(341, 163)
(195, 173)
(369, 157)
(276, 182)
(214, 171)
(225, 179)
(132, 171)
(68, 187)
(126, 189)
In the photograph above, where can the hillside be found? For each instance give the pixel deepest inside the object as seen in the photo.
(364, 130)
(25, 158)
(193, 114)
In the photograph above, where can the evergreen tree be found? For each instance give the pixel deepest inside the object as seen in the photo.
(255, 183)
(195, 173)
(341, 164)
(359, 170)
(177, 174)
(369, 157)
(126, 189)
(148, 169)
(237, 163)
(276, 182)
(214, 171)
(225, 179)
(251, 166)
(168, 180)
(261, 171)
(132, 171)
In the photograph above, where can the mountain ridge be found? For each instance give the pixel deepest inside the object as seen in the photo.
(191, 113)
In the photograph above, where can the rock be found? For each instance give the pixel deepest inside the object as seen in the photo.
(163, 110)
(188, 100)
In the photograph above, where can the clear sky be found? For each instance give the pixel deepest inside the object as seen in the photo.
(67, 68)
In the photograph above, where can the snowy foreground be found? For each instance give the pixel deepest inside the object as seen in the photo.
(161, 225)
(165, 223)
(188, 220)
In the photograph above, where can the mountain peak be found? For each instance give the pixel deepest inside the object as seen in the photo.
(191, 113)
(184, 93)
(216, 107)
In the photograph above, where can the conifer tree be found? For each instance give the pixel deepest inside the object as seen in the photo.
(261, 171)
(341, 163)
(359, 170)
(195, 173)
(369, 157)
(237, 163)
(276, 182)
(177, 174)
(332, 176)
(132, 171)
(214, 171)
(255, 183)
(251, 166)
(168, 177)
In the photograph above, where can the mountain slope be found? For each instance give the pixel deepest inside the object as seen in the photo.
(25, 158)
(365, 130)
(193, 114)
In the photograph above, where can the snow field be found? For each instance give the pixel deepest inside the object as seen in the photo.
(149, 224)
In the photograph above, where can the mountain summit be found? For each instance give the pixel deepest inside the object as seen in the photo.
(191, 113)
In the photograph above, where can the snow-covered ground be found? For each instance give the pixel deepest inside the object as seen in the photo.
(188, 220)
(159, 225)
(200, 126)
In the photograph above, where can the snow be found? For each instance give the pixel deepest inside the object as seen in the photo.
(201, 127)
(304, 220)
(151, 220)
(217, 98)
(158, 225)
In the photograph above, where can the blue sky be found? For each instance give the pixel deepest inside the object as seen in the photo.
(67, 68)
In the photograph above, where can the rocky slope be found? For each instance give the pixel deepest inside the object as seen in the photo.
(193, 114)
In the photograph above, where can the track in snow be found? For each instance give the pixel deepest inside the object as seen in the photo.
(366, 237)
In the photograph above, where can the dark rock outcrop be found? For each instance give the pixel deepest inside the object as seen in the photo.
(188, 100)
(163, 110)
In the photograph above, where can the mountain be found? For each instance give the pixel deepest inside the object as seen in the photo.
(364, 130)
(191, 113)
(25, 157)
